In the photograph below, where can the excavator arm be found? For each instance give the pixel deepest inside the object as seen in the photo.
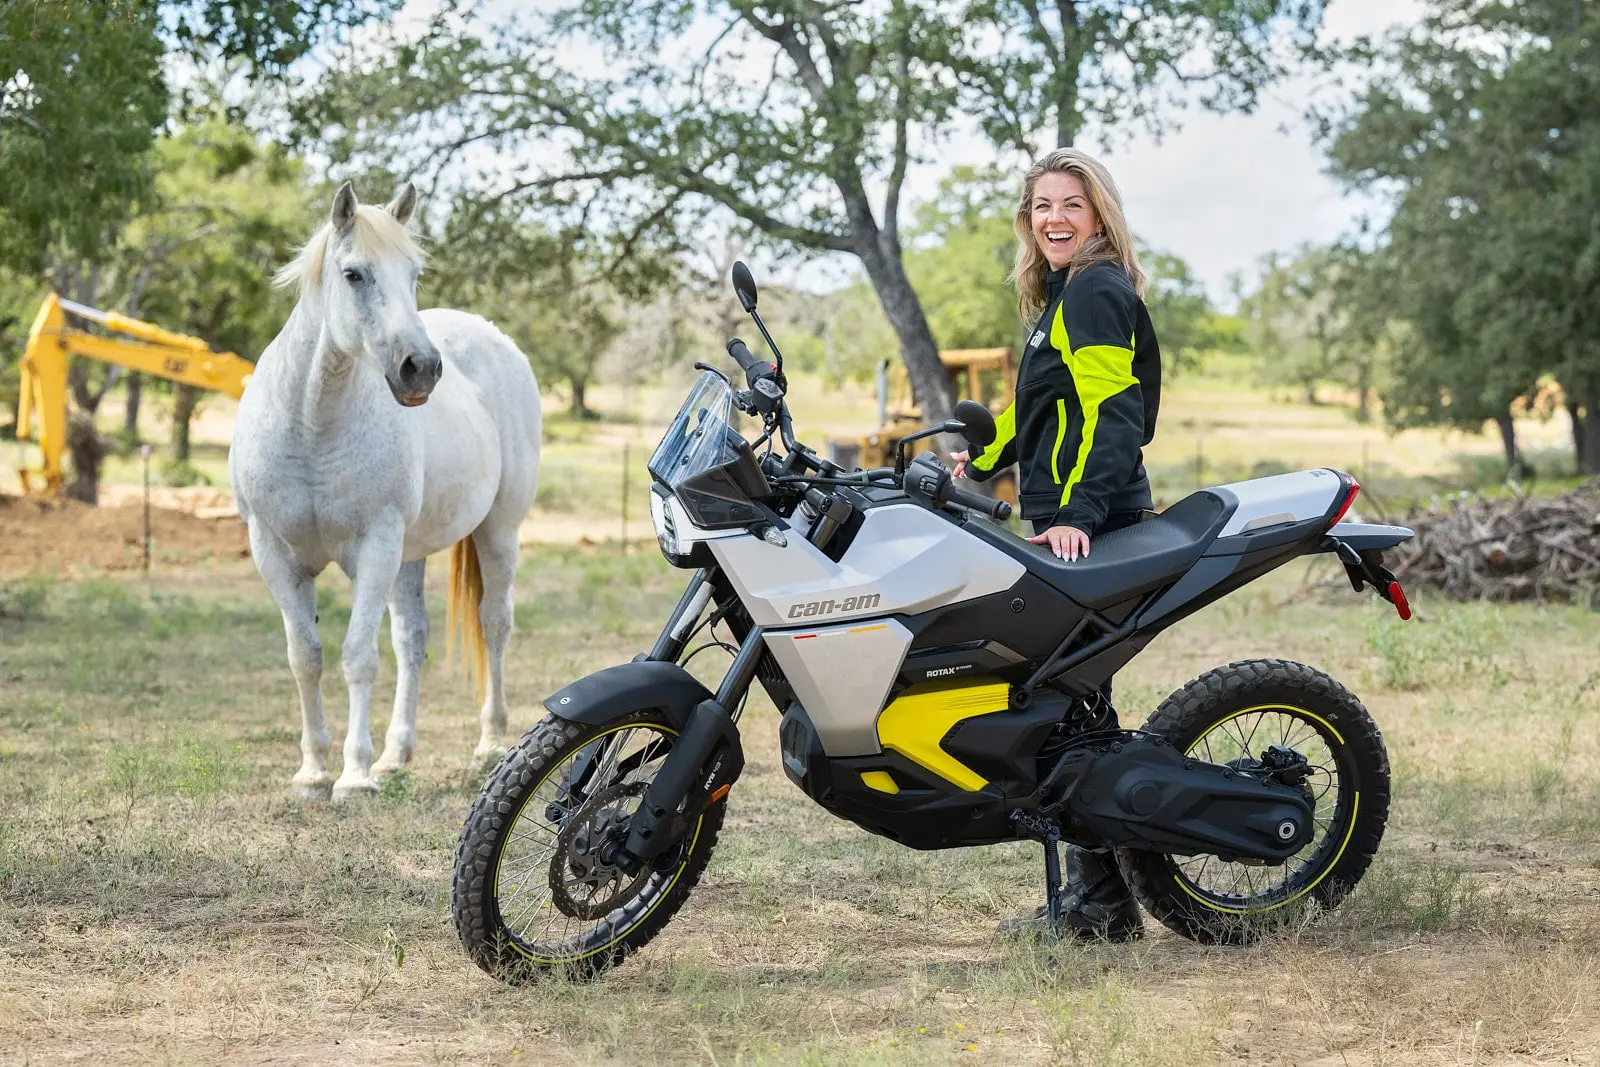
(151, 350)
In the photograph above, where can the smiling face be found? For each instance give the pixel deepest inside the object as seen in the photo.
(1062, 217)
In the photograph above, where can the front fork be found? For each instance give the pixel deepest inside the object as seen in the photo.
(707, 757)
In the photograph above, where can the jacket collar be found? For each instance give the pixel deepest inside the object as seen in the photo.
(1054, 282)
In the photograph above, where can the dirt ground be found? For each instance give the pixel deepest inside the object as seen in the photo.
(66, 537)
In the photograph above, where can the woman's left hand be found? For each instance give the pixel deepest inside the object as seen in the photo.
(1067, 542)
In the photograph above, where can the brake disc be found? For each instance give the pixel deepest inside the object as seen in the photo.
(583, 886)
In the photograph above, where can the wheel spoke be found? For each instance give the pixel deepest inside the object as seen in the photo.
(1233, 739)
(546, 914)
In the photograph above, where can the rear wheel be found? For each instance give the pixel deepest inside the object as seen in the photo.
(1234, 713)
(533, 892)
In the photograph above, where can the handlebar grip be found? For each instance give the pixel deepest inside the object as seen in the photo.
(742, 355)
(995, 509)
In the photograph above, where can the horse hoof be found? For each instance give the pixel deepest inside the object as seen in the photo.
(387, 766)
(311, 790)
(355, 789)
(484, 757)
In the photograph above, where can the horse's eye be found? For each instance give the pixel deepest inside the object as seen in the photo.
(352, 276)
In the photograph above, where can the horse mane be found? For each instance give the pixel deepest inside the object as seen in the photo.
(377, 234)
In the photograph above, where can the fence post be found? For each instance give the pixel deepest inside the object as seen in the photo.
(144, 452)
(625, 498)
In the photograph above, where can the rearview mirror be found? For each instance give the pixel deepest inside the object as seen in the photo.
(972, 421)
(744, 286)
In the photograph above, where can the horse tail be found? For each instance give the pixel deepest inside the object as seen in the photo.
(463, 625)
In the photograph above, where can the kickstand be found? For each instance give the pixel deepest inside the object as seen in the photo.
(1052, 879)
(1047, 832)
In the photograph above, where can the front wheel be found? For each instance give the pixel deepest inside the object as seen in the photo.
(533, 892)
(1232, 714)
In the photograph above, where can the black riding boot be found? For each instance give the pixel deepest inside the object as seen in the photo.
(1096, 904)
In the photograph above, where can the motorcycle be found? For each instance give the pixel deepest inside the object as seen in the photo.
(940, 683)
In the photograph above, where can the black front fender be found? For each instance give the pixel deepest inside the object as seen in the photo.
(611, 693)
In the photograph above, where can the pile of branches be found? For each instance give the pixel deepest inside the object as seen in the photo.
(1518, 548)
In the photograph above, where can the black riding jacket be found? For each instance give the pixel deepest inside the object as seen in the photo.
(1087, 394)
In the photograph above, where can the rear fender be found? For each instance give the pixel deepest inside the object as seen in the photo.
(1365, 536)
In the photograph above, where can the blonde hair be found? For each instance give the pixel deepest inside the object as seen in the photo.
(1113, 245)
(377, 234)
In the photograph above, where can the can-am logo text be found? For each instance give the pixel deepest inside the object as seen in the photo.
(827, 607)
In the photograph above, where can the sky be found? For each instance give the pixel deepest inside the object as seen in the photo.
(1222, 191)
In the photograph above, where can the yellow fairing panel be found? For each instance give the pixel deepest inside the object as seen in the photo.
(913, 724)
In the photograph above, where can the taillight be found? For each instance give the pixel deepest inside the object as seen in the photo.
(1349, 498)
(1397, 597)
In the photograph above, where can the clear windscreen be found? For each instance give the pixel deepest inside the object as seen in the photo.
(701, 436)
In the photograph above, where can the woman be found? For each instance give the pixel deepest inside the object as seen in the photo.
(1087, 394)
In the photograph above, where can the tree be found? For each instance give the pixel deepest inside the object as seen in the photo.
(1480, 128)
(813, 155)
(81, 94)
(531, 282)
(1306, 329)
(228, 211)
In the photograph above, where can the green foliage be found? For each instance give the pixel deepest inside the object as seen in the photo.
(229, 210)
(199, 769)
(181, 473)
(542, 287)
(81, 96)
(1314, 319)
(1479, 129)
(22, 598)
(642, 150)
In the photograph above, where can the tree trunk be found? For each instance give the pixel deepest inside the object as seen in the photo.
(1311, 392)
(1070, 64)
(1515, 468)
(1589, 458)
(580, 389)
(88, 451)
(184, 400)
(1575, 414)
(130, 417)
(930, 385)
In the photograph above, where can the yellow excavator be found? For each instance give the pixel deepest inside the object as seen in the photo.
(898, 414)
(153, 350)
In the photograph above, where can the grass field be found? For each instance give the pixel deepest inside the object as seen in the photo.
(162, 900)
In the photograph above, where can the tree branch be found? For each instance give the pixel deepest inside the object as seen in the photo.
(902, 111)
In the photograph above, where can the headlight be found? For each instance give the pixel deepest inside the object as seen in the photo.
(666, 528)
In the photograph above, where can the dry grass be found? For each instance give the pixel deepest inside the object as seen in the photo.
(163, 900)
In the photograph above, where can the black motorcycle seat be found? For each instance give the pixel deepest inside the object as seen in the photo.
(1124, 563)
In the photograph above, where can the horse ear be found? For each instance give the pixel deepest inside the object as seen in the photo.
(403, 205)
(343, 215)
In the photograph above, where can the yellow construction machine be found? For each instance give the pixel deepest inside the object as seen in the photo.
(986, 375)
(52, 343)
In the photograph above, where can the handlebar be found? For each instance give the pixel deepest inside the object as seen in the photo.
(966, 498)
(742, 355)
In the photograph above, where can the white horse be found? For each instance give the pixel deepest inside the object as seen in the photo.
(371, 436)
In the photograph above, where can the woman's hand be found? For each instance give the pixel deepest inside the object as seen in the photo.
(1067, 542)
(962, 459)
